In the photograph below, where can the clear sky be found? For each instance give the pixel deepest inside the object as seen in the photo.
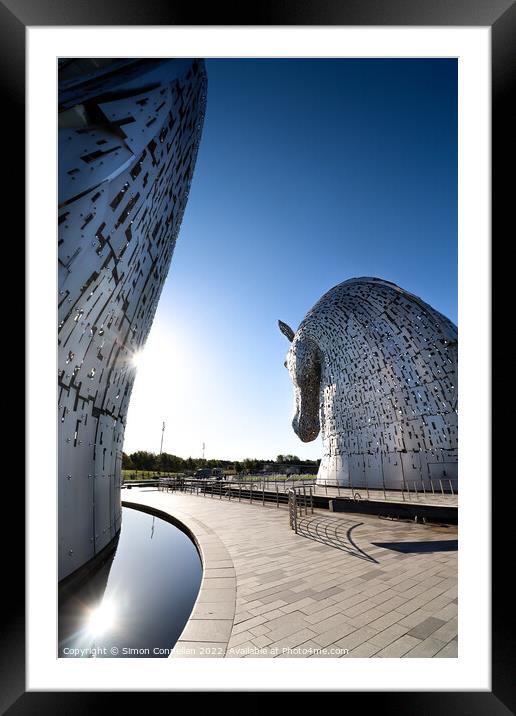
(309, 172)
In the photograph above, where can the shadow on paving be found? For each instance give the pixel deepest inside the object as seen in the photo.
(332, 532)
(448, 545)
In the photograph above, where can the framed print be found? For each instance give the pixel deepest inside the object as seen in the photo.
(282, 187)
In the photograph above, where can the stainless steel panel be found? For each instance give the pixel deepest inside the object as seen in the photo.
(384, 365)
(123, 187)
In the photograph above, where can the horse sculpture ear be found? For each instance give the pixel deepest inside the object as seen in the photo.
(286, 330)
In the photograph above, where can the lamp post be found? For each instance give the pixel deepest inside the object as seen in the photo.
(162, 432)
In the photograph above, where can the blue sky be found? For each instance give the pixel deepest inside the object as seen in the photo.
(309, 172)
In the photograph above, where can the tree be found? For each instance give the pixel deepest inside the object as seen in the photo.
(165, 462)
(144, 460)
(252, 464)
(170, 463)
(127, 463)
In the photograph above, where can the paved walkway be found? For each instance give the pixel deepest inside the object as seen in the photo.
(347, 585)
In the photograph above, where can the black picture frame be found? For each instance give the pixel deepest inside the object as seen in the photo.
(500, 16)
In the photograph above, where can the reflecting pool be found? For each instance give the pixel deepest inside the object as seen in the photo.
(138, 602)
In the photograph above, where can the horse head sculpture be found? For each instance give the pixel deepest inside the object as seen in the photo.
(374, 370)
(304, 365)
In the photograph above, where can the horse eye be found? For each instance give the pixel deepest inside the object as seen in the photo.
(285, 364)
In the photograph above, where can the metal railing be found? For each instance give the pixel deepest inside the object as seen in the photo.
(240, 491)
(427, 490)
(254, 491)
(409, 490)
(299, 502)
(292, 509)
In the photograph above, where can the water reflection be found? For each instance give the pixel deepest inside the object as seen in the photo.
(138, 602)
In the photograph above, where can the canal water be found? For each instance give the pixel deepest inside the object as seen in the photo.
(138, 602)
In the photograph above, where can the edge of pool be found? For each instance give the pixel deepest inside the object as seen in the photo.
(208, 628)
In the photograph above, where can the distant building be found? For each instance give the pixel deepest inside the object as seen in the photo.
(206, 472)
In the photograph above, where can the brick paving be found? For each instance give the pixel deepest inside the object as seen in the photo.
(339, 592)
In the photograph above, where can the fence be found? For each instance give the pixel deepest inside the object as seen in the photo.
(128, 475)
(239, 491)
(409, 490)
(429, 490)
(299, 501)
(254, 490)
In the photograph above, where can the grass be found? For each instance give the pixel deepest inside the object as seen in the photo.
(153, 474)
(141, 474)
(276, 478)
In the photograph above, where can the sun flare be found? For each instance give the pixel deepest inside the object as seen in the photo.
(101, 619)
(137, 359)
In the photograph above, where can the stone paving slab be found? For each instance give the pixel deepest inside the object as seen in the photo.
(214, 610)
(449, 651)
(215, 630)
(198, 650)
(427, 627)
(428, 647)
(267, 592)
(398, 648)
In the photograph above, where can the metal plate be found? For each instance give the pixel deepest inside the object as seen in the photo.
(118, 225)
